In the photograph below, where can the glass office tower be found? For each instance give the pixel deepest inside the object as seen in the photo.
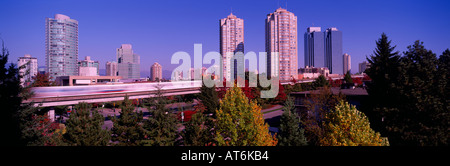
(314, 47)
(333, 51)
(61, 46)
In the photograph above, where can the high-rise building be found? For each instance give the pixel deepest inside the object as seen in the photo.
(88, 67)
(156, 71)
(231, 42)
(281, 43)
(61, 46)
(128, 62)
(111, 68)
(347, 63)
(333, 51)
(314, 48)
(30, 70)
(363, 66)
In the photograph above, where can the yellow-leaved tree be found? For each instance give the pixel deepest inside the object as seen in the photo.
(240, 122)
(346, 126)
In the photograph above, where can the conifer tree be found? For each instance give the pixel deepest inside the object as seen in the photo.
(84, 127)
(321, 81)
(348, 78)
(240, 122)
(384, 72)
(197, 132)
(14, 113)
(162, 126)
(209, 98)
(290, 134)
(421, 113)
(127, 130)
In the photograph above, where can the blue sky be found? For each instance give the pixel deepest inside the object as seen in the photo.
(157, 29)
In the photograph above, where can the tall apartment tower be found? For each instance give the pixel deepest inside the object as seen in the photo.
(30, 70)
(156, 71)
(111, 68)
(128, 62)
(61, 46)
(281, 42)
(333, 51)
(347, 63)
(231, 42)
(314, 47)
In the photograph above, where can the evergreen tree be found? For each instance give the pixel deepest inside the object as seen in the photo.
(348, 78)
(240, 122)
(290, 134)
(420, 116)
(409, 95)
(197, 132)
(442, 76)
(209, 98)
(10, 101)
(384, 72)
(84, 127)
(346, 126)
(127, 130)
(162, 126)
(321, 81)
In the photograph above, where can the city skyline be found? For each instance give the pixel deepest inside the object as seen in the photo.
(99, 34)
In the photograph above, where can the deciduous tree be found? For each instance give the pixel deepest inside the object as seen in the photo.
(240, 122)
(346, 126)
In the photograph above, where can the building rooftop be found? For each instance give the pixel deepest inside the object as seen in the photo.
(313, 29)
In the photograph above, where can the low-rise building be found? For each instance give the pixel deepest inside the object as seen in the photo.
(312, 72)
(86, 80)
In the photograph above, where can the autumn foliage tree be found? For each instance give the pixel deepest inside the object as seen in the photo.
(43, 80)
(240, 122)
(346, 126)
(319, 104)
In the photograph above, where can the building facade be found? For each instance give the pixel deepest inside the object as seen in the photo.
(281, 44)
(363, 66)
(61, 46)
(30, 68)
(88, 67)
(128, 62)
(314, 47)
(231, 42)
(312, 72)
(333, 51)
(111, 68)
(156, 72)
(347, 63)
